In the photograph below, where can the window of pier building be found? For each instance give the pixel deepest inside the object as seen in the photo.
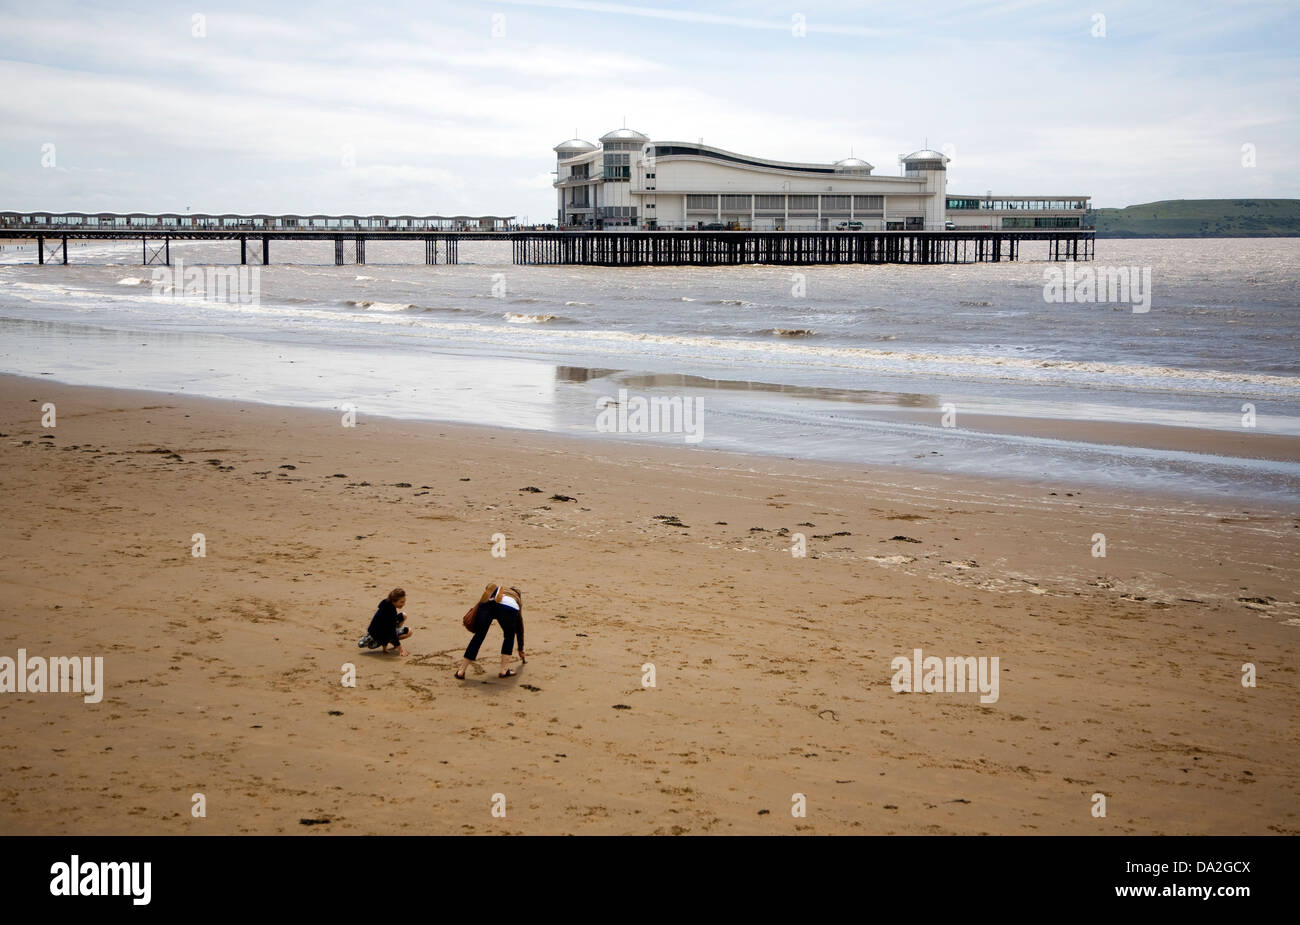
(618, 166)
(1011, 205)
(1041, 221)
(618, 216)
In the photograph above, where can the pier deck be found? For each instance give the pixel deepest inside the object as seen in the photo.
(728, 248)
(608, 248)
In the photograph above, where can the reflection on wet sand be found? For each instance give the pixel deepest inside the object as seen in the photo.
(629, 380)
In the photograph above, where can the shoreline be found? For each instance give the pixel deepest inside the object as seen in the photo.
(1234, 448)
(1118, 674)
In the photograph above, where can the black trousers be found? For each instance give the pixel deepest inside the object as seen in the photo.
(488, 611)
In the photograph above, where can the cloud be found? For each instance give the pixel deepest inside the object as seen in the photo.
(439, 110)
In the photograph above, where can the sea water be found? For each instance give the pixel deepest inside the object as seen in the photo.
(877, 365)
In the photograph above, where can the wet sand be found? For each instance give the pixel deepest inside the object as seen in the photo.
(1118, 675)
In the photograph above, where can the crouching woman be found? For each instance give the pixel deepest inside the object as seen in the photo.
(387, 625)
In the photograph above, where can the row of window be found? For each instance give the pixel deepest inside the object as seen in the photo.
(782, 203)
(1012, 204)
(1041, 221)
(241, 221)
(617, 166)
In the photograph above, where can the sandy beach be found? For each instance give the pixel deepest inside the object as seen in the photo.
(1118, 675)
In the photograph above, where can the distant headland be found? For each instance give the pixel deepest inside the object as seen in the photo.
(1201, 218)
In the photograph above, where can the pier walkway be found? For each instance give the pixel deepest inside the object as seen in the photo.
(600, 248)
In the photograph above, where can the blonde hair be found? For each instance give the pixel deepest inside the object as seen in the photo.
(396, 595)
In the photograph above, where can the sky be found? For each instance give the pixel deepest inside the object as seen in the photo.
(454, 108)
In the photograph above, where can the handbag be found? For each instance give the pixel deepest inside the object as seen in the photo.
(493, 593)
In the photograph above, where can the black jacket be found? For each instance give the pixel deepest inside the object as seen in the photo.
(383, 625)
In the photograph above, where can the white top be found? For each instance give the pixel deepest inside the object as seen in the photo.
(509, 601)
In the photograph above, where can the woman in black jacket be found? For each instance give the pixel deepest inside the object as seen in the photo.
(386, 627)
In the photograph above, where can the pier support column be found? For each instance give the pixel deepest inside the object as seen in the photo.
(243, 250)
(156, 255)
(40, 250)
(266, 250)
(360, 250)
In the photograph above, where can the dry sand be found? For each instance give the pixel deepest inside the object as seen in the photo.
(1118, 675)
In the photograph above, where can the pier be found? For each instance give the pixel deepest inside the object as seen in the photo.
(253, 237)
(731, 248)
(254, 248)
(254, 233)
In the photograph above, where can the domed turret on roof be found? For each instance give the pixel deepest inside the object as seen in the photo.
(854, 165)
(925, 159)
(623, 134)
(573, 147)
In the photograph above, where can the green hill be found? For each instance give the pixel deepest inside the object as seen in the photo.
(1201, 218)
